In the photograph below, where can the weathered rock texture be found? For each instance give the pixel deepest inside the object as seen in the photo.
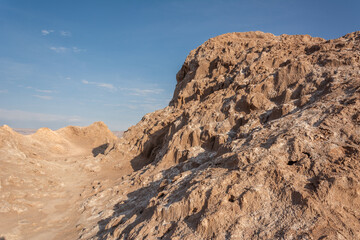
(260, 141)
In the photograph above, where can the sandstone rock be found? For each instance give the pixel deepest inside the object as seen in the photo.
(260, 141)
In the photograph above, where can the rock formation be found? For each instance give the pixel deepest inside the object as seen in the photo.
(260, 141)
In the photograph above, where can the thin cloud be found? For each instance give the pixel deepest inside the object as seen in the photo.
(148, 107)
(122, 105)
(59, 49)
(146, 104)
(65, 33)
(142, 92)
(74, 119)
(19, 115)
(147, 91)
(77, 50)
(44, 91)
(108, 86)
(43, 97)
(114, 105)
(62, 33)
(3, 91)
(65, 49)
(46, 32)
(37, 90)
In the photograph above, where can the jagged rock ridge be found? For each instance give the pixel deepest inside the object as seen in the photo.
(260, 141)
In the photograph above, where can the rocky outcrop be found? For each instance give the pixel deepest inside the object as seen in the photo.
(260, 141)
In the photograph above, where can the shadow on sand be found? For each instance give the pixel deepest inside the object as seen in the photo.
(99, 150)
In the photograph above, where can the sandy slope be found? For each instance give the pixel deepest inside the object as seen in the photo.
(45, 176)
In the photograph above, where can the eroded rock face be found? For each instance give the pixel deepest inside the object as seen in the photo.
(260, 141)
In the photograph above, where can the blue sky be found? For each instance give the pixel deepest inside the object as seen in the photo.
(75, 62)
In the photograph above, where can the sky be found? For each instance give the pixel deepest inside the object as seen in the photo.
(76, 62)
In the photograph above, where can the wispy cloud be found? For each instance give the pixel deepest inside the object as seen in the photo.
(123, 105)
(77, 50)
(59, 49)
(46, 32)
(36, 89)
(19, 115)
(65, 33)
(3, 90)
(142, 92)
(108, 86)
(143, 104)
(44, 91)
(148, 107)
(62, 33)
(62, 49)
(43, 97)
(74, 119)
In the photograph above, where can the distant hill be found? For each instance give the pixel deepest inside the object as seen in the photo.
(119, 134)
(25, 131)
(28, 131)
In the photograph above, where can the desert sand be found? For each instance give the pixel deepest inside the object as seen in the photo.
(260, 141)
(46, 175)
